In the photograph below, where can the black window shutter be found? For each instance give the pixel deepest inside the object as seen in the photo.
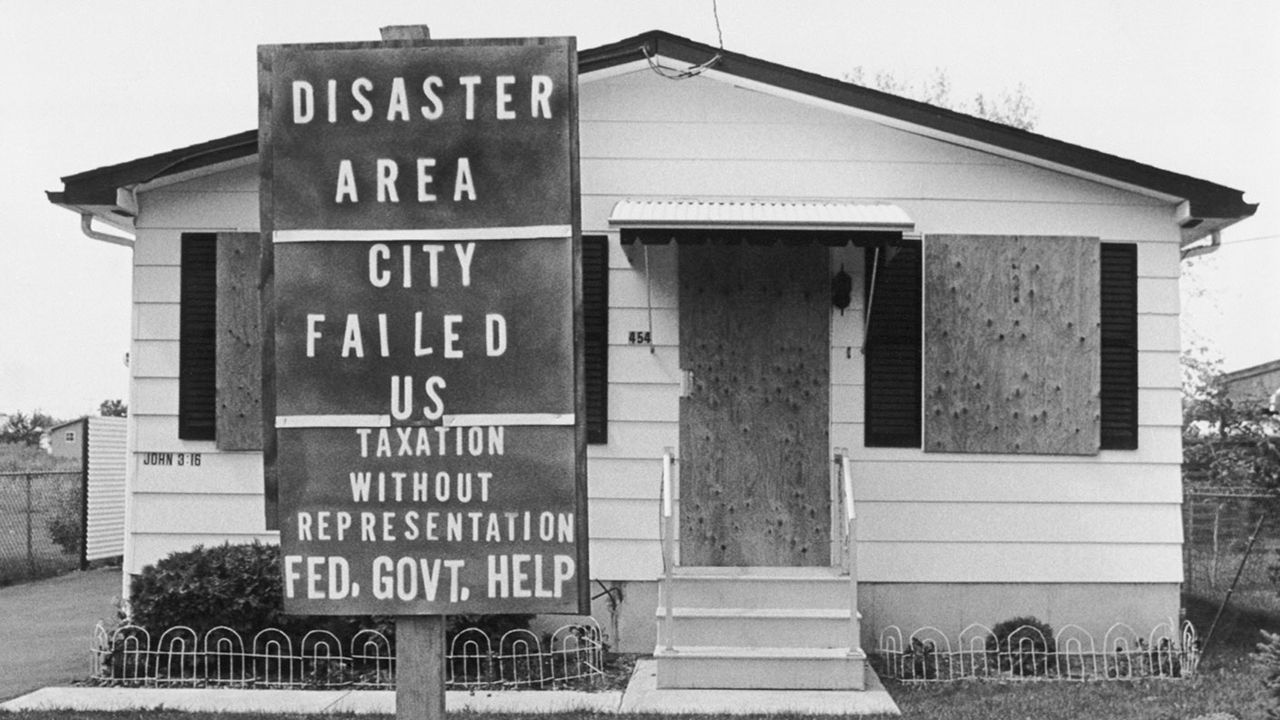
(1119, 306)
(197, 411)
(595, 320)
(893, 349)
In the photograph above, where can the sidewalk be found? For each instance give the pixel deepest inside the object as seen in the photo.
(293, 702)
(47, 626)
(641, 697)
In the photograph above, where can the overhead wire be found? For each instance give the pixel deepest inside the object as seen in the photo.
(672, 73)
(1226, 241)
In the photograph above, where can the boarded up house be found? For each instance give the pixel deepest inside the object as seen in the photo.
(802, 297)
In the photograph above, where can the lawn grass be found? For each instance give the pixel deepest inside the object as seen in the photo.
(1226, 681)
(17, 457)
(1233, 687)
(179, 715)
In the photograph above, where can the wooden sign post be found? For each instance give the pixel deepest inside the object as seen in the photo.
(420, 274)
(420, 661)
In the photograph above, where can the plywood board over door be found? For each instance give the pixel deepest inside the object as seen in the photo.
(754, 480)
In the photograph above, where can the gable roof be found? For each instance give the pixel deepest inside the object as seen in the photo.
(67, 423)
(1251, 372)
(1208, 206)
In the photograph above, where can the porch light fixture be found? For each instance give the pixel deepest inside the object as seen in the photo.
(841, 290)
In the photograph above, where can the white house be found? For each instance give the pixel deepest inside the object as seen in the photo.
(797, 289)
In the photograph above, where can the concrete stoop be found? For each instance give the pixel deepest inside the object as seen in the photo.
(758, 628)
(760, 668)
(644, 696)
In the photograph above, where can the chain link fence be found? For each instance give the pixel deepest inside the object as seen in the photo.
(1218, 524)
(41, 524)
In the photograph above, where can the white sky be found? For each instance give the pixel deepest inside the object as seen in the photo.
(1184, 85)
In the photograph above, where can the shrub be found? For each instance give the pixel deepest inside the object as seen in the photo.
(64, 526)
(495, 626)
(238, 586)
(1021, 646)
(922, 659)
(1268, 658)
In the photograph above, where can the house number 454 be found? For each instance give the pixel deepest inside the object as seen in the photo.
(640, 337)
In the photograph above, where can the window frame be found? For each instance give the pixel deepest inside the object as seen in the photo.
(1118, 354)
(197, 337)
(595, 321)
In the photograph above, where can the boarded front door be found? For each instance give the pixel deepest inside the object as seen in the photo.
(754, 481)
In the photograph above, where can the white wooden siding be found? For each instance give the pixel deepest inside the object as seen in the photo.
(937, 518)
(223, 201)
(643, 136)
(105, 488)
(150, 547)
(219, 513)
(1155, 444)
(219, 473)
(644, 412)
(659, 365)
(1157, 406)
(763, 178)
(1019, 562)
(157, 320)
(173, 507)
(1000, 521)
(155, 396)
(974, 480)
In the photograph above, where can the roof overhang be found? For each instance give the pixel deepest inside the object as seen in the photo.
(1211, 206)
(110, 193)
(761, 222)
(1204, 207)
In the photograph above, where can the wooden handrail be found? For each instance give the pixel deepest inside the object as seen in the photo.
(850, 544)
(666, 485)
(668, 545)
(843, 519)
(846, 477)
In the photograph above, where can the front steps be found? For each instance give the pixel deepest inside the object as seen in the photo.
(760, 628)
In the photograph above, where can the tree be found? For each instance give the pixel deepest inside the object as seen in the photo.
(113, 408)
(1008, 107)
(23, 428)
(1225, 443)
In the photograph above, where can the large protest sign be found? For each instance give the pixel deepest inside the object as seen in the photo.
(420, 199)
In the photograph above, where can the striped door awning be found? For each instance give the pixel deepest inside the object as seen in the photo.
(685, 221)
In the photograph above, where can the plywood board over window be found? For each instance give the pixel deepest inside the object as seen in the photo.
(1012, 344)
(239, 343)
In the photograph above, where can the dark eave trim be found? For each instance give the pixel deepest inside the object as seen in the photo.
(98, 186)
(1206, 199)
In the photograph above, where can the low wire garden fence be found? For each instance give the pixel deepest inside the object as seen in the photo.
(1029, 654)
(180, 657)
